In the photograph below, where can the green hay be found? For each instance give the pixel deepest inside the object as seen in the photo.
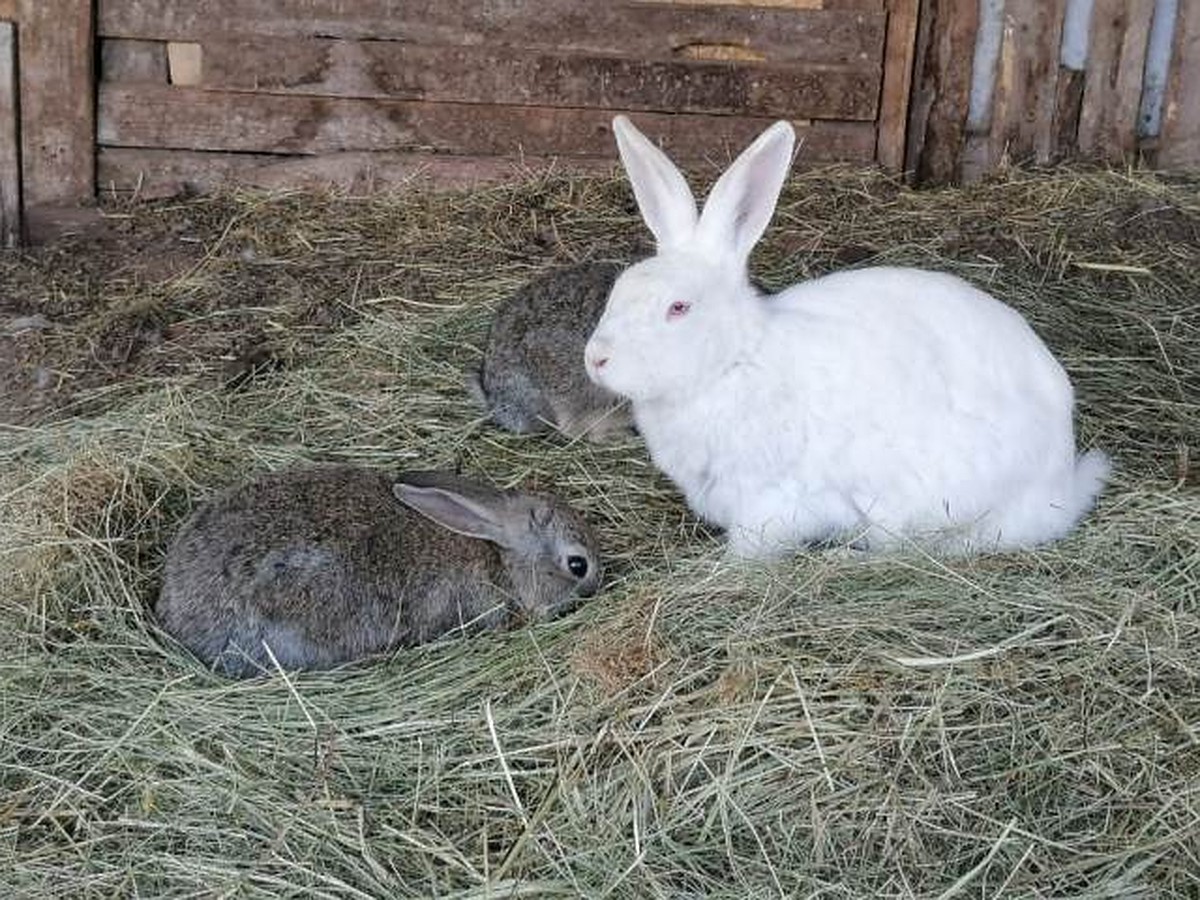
(1016, 726)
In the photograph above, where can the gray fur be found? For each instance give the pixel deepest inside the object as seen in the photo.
(326, 565)
(532, 377)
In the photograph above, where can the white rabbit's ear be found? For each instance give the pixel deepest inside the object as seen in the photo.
(462, 514)
(741, 203)
(663, 196)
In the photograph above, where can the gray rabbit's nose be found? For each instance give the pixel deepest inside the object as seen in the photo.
(587, 589)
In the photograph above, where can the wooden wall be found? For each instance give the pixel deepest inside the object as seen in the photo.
(47, 114)
(197, 92)
(1042, 111)
(161, 96)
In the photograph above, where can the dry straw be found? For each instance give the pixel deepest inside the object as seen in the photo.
(1017, 726)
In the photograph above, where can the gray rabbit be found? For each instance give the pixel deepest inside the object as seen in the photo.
(329, 564)
(532, 377)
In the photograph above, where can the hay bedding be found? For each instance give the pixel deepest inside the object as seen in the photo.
(1018, 726)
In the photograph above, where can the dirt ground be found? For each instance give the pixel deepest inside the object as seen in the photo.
(229, 286)
(157, 290)
(48, 302)
(203, 285)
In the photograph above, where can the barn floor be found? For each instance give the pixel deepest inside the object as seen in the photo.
(1017, 726)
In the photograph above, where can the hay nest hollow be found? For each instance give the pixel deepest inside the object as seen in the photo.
(1013, 726)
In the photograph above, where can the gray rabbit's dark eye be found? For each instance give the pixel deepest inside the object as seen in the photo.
(577, 565)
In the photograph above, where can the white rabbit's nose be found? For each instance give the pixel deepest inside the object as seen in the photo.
(597, 362)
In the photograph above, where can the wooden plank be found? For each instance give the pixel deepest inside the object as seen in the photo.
(1113, 78)
(1027, 81)
(133, 61)
(619, 27)
(8, 10)
(195, 119)
(10, 159)
(873, 5)
(152, 173)
(897, 82)
(977, 159)
(503, 75)
(942, 95)
(920, 99)
(57, 108)
(787, 4)
(1179, 140)
(1068, 103)
(185, 63)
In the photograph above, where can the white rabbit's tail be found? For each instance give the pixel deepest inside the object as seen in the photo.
(1091, 472)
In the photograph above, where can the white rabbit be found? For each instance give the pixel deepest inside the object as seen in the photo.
(882, 406)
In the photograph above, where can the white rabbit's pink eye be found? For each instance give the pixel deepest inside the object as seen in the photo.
(677, 309)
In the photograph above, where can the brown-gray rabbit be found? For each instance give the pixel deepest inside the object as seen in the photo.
(532, 377)
(328, 564)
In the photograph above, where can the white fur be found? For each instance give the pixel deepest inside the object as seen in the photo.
(881, 405)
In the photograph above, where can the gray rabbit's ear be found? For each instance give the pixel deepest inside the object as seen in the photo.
(471, 516)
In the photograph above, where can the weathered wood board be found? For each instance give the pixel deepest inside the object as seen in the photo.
(897, 82)
(56, 101)
(942, 90)
(10, 157)
(842, 31)
(196, 119)
(150, 173)
(487, 75)
(1179, 143)
(1113, 78)
(127, 60)
(185, 63)
(1027, 81)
